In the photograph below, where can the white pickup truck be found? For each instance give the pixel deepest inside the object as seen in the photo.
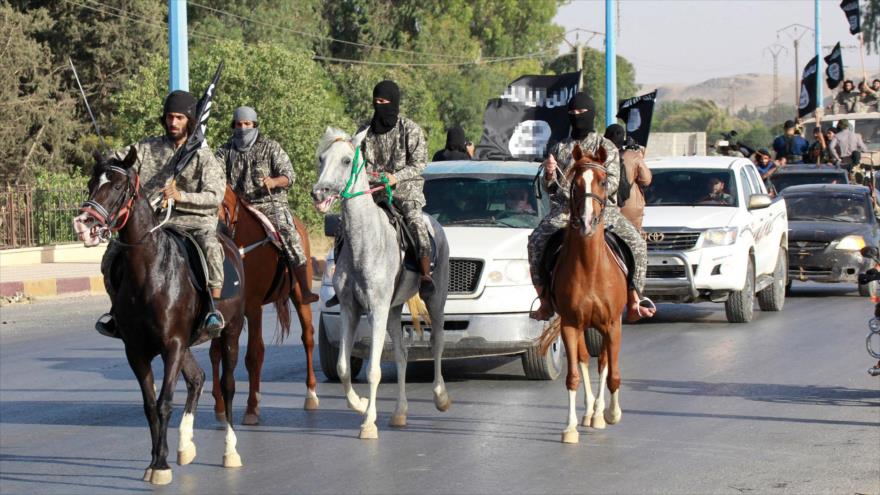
(714, 234)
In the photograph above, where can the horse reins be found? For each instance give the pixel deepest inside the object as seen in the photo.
(603, 202)
(123, 208)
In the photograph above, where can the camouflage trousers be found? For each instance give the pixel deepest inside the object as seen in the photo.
(412, 215)
(614, 222)
(291, 241)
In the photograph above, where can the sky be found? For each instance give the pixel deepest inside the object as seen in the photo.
(689, 41)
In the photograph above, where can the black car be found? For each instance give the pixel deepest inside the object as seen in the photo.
(800, 174)
(827, 226)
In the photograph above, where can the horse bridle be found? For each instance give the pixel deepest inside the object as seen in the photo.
(114, 221)
(575, 220)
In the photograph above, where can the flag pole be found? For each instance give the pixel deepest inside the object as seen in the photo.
(862, 57)
(610, 63)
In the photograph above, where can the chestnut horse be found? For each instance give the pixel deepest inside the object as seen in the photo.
(268, 280)
(589, 290)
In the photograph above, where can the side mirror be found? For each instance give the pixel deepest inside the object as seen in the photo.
(331, 225)
(870, 252)
(759, 201)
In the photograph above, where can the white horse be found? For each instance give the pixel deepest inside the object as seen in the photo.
(370, 277)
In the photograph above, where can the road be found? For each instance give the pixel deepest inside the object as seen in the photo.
(782, 405)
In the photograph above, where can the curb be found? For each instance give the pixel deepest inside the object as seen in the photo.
(51, 287)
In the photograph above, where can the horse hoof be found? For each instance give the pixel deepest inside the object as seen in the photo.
(611, 418)
(161, 477)
(585, 421)
(369, 433)
(220, 417)
(311, 404)
(186, 455)
(148, 474)
(398, 420)
(442, 402)
(598, 422)
(570, 436)
(251, 420)
(232, 460)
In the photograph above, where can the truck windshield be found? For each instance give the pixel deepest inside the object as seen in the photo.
(840, 208)
(484, 202)
(781, 181)
(692, 187)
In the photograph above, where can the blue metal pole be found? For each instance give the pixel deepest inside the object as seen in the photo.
(819, 78)
(610, 63)
(178, 46)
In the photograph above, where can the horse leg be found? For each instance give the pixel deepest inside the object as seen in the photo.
(598, 420)
(398, 419)
(613, 413)
(441, 397)
(219, 407)
(173, 358)
(304, 313)
(230, 359)
(140, 365)
(379, 323)
(253, 361)
(195, 379)
(349, 320)
(570, 341)
(584, 361)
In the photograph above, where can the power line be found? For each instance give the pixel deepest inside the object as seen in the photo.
(135, 18)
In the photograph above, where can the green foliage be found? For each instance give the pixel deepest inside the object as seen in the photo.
(871, 25)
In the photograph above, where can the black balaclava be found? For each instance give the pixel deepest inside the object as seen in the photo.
(582, 123)
(385, 115)
(179, 101)
(455, 140)
(616, 134)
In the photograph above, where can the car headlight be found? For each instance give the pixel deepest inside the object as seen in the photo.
(508, 272)
(720, 237)
(329, 270)
(851, 243)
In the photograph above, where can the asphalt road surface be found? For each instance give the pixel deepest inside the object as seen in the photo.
(781, 405)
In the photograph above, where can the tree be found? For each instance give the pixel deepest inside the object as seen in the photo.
(871, 25)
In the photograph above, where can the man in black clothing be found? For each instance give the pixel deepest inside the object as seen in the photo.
(456, 146)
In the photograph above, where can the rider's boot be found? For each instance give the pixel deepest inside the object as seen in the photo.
(305, 286)
(214, 322)
(426, 283)
(545, 312)
(638, 308)
(106, 325)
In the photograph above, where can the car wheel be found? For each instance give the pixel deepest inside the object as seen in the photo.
(740, 305)
(594, 342)
(328, 354)
(543, 367)
(772, 297)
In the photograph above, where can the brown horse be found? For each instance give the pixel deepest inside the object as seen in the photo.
(268, 280)
(589, 290)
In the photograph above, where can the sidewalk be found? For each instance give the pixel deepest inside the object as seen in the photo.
(51, 279)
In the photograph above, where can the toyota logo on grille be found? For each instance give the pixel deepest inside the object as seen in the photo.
(655, 236)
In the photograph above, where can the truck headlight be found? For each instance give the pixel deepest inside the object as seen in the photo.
(720, 237)
(851, 243)
(329, 270)
(508, 272)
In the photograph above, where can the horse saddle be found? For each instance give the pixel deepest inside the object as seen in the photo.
(197, 266)
(271, 231)
(619, 250)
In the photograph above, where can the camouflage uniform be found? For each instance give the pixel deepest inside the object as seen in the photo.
(559, 198)
(201, 186)
(405, 156)
(245, 171)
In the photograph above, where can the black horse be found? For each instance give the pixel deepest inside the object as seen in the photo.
(158, 309)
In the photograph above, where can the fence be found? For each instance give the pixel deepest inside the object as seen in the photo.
(37, 216)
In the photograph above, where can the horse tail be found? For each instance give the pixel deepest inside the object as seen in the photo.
(418, 310)
(282, 309)
(549, 335)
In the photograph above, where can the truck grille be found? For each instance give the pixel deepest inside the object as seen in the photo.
(464, 275)
(664, 271)
(671, 241)
(807, 246)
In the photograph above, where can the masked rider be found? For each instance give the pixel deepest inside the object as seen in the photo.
(581, 114)
(260, 171)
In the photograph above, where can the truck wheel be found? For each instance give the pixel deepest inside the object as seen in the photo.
(328, 354)
(772, 297)
(868, 290)
(740, 305)
(546, 367)
(594, 342)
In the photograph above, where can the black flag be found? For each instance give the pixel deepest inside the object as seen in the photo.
(834, 67)
(636, 114)
(851, 10)
(807, 99)
(197, 139)
(532, 113)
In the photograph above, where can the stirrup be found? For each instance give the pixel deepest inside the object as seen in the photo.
(646, 303)
(213, 324)
(106, 326)
(536, 314)
(333, 301)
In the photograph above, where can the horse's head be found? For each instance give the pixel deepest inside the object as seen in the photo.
(336, 152)
(112, 190)
(589, 190)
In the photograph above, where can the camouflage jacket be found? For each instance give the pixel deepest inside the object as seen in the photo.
(201, 184)
(404, 155)
(558, 188)
(246, 169)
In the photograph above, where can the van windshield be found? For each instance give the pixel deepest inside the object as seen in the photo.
(484, 202)
(691, 187)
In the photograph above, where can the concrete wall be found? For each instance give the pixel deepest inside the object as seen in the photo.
(61, 253)
(675, 144)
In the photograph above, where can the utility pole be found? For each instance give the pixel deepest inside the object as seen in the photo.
(178, 46)
(774, 50)
(579, 50)
(610, 63)
(795, 32)
(817, 31)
